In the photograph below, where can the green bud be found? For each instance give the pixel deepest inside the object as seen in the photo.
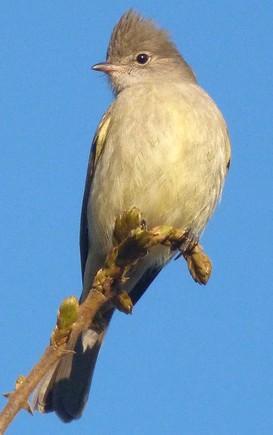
(125, 223)
(68, 313)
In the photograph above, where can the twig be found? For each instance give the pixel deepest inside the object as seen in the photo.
(20, 396)
(132, 240)
(52, 354)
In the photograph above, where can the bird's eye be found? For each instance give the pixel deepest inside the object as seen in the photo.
(142, 58)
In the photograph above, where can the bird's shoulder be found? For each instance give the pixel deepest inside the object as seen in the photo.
(100, 136)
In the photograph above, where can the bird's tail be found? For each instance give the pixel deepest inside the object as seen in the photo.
(65, 388)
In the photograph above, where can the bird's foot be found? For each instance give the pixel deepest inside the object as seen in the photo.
(199, 264)
(123, 302)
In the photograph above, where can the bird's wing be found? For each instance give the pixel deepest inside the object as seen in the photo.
(95, 153)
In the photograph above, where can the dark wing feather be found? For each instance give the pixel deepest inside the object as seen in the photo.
(84, 226)
(95, 153)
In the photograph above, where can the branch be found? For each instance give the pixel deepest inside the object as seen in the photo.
(132, 241)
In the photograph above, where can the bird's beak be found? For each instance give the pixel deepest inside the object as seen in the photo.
(106, 67)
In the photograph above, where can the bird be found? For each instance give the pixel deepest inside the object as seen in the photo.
(162, 146)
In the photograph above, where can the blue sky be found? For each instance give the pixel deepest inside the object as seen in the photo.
(191, 360)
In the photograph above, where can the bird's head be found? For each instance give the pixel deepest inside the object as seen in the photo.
(140, 52)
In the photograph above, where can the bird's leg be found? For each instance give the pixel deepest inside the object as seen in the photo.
(199, 264)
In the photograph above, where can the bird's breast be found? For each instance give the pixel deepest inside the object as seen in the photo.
(165, 154)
